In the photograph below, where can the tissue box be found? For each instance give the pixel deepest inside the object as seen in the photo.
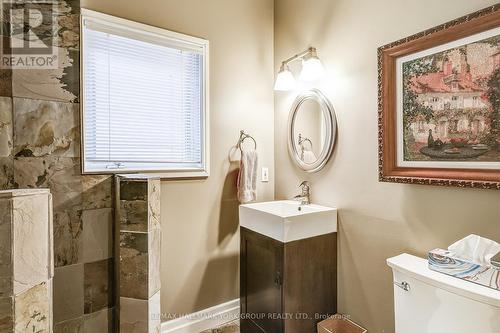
(442, 261)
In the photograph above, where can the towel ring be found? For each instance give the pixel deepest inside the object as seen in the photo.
(303, 139)
(243, 137)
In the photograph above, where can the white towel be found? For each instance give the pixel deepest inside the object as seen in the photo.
(308, 157)
(247, 177)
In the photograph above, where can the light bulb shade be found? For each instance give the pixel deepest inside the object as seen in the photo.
(285, 80)
(312, 69)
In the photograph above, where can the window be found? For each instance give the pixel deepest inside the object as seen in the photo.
(421, 126)
(144, 99)
(475, 101)
(454, 98)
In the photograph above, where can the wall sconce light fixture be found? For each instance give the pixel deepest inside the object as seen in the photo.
(312, 69)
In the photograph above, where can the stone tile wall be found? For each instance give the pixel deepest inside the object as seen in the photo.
(139, 236)
(26, 261)
(40, 148)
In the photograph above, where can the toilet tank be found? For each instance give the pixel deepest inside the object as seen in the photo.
(426, 301)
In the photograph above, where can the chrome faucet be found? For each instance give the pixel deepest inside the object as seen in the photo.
(305, 196)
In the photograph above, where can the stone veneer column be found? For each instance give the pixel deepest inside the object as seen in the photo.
(26, 261)
(40, 148)
(139, 237)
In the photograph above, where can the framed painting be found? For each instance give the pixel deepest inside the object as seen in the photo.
(439, 104)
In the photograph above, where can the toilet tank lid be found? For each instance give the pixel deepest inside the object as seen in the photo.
(417, 268)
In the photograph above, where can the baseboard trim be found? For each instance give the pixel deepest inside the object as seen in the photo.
(203, 320)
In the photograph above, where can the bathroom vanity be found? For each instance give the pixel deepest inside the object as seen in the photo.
(288, 269)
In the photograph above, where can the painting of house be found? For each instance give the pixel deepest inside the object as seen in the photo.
(450, 104)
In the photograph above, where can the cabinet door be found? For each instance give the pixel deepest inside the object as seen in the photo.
(261, 283)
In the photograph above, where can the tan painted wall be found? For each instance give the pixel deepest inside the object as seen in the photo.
(377, 220)
(199, 217)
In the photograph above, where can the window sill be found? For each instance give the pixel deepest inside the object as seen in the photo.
(163, 175)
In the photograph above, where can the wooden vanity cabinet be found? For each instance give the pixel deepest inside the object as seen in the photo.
(286, 287)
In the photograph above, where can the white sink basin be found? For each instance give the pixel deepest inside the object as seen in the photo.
(288, 220)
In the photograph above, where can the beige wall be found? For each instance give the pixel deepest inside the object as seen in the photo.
(200, 246)
(377, 220)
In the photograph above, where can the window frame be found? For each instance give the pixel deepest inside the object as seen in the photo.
(159, 34)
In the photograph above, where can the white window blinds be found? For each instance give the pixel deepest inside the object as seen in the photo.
(143, 101)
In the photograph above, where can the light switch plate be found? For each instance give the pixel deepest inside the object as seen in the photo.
(265, 175)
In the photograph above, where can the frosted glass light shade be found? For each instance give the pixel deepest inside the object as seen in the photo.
(285, 80)
(312, 69)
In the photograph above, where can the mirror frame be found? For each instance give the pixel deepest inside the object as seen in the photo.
(330, 130)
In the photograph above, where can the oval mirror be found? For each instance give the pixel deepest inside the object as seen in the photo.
(312, 128)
